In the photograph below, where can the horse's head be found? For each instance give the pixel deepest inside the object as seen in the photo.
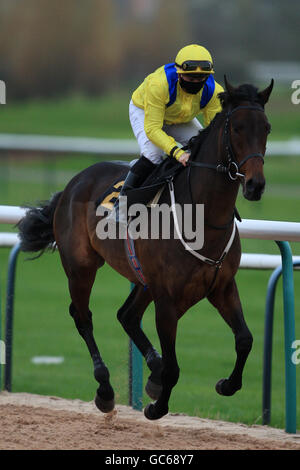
(245, 135)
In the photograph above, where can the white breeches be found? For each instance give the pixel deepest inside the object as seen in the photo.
(182, 133)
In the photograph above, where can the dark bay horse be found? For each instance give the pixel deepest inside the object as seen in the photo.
(228, 154)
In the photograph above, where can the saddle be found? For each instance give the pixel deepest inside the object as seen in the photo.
(150, 188)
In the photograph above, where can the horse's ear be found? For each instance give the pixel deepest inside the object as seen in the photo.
(229, 88)
(265, 94)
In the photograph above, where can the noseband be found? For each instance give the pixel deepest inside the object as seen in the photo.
(232, 166)
(232, 161)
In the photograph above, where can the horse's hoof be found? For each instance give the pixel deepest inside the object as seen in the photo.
(153, 390)
(224, 388)
(104, 405)
(151, 413)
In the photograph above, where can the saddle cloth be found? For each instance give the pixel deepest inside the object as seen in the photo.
(149, 193)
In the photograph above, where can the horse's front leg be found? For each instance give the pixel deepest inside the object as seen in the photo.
(130, 316)
(227, 301)
(166, 324)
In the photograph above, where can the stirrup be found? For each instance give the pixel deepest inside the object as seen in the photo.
(134, 179)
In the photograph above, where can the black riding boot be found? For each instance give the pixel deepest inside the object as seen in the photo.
(136, 176)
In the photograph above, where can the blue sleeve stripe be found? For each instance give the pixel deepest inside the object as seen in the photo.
(208, 91)
(172, 77)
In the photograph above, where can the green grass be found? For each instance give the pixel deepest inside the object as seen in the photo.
(107, 116)
(205, 344)
(70, 116)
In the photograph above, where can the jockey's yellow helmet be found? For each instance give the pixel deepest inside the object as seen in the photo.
(194, 59)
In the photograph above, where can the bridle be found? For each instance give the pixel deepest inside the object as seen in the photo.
(232, 162)
(232, 166)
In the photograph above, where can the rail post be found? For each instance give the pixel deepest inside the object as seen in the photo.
(268, 339)
(10, 293)
(289, 335)
(135, 377)
(2, 345)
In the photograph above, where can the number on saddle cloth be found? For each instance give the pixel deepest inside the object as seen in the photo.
(110, 196)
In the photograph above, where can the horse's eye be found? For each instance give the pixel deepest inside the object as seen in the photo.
(237, 129)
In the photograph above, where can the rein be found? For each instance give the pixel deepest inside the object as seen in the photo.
(211, 262)
(232, 167)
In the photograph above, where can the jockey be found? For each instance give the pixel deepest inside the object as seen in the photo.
(164, 107)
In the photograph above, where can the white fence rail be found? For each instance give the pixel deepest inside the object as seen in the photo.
(8, 239)
(269, 230)
(44, 143)
(259, 229)
(51, 144)
(11, 214)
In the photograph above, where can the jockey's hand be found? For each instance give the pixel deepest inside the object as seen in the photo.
(184, 158)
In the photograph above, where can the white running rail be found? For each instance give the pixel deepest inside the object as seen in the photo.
(248, 228)
(61, 144)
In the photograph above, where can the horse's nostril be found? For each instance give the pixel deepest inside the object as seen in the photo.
(250, 184)
(253, 184)
(254, 188)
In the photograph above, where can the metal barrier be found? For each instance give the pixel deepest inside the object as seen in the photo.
(267, 355)
(6, 240)
(281, 233)
(9, 315)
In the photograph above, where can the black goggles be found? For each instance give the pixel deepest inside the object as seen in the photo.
(190, 65)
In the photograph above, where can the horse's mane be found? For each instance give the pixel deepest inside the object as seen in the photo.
(244, 92)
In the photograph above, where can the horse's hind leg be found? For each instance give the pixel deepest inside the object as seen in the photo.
(130, 316)
(228, 303)
(81, 281)
(166, 324)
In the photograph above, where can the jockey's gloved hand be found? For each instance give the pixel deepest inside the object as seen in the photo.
(184, 158)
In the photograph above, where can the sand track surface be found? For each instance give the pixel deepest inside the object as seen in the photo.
(37, 422)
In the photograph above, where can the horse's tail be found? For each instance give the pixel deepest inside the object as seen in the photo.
(36, 227)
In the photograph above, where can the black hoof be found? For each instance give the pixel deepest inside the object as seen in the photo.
(224, 388)
(104, 405)
(151, 413)
(153, 390)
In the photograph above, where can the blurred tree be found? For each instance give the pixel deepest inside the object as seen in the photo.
(57, 46)
(54, 47)
(241, 31)
(150, 44)
(99, 54)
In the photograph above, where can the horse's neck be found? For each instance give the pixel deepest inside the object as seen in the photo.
(215, 190)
